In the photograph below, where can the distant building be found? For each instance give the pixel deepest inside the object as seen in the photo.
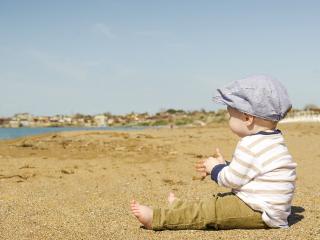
(14, 123)
(100, 120)
(44, 120)
(110, 121)
(23, 116)
(66, 120)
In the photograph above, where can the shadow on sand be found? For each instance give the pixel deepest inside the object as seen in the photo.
(295, 215)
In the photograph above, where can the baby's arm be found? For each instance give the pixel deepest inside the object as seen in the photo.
(241, 170)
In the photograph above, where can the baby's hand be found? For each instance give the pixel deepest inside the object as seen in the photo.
(204, 167)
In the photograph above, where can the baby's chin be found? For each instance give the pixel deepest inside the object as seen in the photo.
(239, 133)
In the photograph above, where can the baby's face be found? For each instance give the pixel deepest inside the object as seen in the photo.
(237, 122)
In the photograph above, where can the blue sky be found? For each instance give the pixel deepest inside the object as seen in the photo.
(122, 56)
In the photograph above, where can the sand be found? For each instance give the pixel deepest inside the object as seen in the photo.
(78, 185)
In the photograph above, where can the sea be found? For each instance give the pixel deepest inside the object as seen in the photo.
(11, 133)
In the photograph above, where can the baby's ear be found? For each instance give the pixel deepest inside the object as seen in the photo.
(248, 119)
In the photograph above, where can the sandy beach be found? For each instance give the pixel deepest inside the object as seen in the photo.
(78, 185)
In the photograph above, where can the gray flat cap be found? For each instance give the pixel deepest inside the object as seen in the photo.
(258, 95)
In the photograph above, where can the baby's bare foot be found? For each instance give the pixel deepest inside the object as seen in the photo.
(171, 198)
(143, 213)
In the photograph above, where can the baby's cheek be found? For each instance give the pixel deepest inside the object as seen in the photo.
(232, 124)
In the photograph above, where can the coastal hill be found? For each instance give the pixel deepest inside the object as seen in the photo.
(170, 117)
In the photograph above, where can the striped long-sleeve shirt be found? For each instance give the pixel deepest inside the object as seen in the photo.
(262, 173)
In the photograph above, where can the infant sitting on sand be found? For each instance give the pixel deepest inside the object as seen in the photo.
(261, 174)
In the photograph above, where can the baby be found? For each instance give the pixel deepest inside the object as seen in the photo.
(261, 174)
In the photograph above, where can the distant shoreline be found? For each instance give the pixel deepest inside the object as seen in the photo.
(12, 133)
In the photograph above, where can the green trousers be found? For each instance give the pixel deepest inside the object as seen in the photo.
(222, 211)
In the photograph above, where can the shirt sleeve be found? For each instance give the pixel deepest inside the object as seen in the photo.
(242, 169)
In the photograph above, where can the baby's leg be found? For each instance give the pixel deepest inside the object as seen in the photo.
(184, 215)
(223, 211)
(179, 215)
(143, 213)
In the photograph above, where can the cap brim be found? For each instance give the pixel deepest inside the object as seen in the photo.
(219, 99)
